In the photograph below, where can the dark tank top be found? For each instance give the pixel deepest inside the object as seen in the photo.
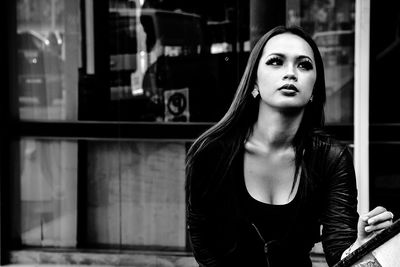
(271, 221)
(270, 225)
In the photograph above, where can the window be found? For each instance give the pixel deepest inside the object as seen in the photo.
(48, 53)
(135, 194)
(384, 115)
(48, 193)
(102, 150)
(164, 61)
(331, 24)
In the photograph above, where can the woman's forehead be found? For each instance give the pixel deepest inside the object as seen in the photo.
(288, 44)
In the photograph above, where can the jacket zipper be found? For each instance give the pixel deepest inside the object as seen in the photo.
(266, 244)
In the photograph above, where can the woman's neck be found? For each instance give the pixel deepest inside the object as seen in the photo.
(275, 130)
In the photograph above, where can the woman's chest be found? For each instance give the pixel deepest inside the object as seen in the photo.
(270, 178)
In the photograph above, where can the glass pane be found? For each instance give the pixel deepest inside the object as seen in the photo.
(48, 51)
(168, 58)
(48, 193)
(385, 176)
(385, 52)
(135, 194)
(331, 24)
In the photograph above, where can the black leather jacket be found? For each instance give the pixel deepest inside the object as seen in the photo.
(218, 229)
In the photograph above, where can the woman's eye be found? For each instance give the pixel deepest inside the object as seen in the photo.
(306, 65)
(275, 61)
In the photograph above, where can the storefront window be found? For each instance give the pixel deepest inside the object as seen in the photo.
(48, 193)
(385, 50)
(154, 61)
(154, 57)
(163, 62)
(385, 176)
(135, 194)
(48, 57)
(166, 61)
(331, 24)
(132, 194)
(169, 61)
(384, 115)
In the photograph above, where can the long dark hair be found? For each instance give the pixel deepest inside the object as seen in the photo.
(237, 124)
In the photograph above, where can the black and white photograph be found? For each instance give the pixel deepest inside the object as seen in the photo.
(200, 133)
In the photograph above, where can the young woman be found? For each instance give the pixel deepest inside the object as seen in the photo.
(265, 178)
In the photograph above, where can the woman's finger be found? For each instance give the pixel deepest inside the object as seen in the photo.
(381, 217)
(378, 227)
(374, 212)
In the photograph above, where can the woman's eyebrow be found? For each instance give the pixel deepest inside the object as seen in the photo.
(276, 54)
(304, 57)
(300, 57)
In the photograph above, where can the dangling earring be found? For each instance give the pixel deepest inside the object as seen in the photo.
(311, 99)
(255, 92)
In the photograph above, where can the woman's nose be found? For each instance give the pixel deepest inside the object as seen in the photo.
(290, 74)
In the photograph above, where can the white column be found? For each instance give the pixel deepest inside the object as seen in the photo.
(89, 28)
(361, 102)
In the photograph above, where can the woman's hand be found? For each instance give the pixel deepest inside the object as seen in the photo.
(369, 225)
(372, 223)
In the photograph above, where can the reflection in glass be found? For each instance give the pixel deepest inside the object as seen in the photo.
(331, 24)
(48, 193)
(385, 176)
(47, 48)
(173, 62)
(385, 52)
(136, 194)
(148, 48)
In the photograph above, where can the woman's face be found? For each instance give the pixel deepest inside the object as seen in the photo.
(286, 72)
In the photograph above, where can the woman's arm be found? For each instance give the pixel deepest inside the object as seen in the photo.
(197, 225)
(339, 215)
(204, 168)
(343, 230)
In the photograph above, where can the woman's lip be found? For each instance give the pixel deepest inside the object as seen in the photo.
(289, 92)
(289, 88)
